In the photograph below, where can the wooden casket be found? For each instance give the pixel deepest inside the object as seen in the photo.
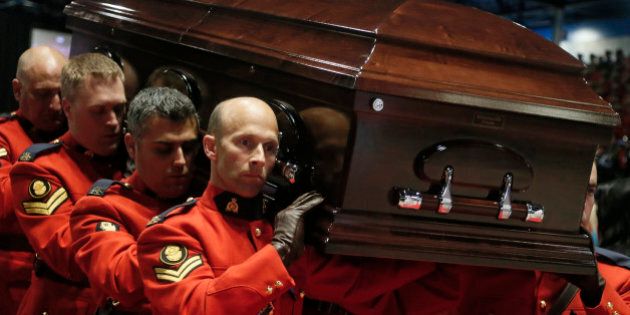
(441, 132)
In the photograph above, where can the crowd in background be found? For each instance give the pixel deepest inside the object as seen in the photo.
(609, 76)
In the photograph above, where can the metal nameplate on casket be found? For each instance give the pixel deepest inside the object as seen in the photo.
(442, 133)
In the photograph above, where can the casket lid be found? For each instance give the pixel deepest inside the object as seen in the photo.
(416, 49)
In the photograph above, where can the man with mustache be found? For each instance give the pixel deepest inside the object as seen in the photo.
(50, 177)
(162, 140)
(38, 119)
(219, 254)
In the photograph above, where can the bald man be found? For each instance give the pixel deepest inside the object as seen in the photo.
(38, 119)
(220, 254)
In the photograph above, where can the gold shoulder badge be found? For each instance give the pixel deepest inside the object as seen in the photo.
(26, 156)
(39, 188)
(173, 254)
(3, 152)
(154, 220)
(97, 191)
(45, 208)
(232, 206)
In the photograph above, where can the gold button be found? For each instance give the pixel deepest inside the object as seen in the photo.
(257, 232)
(278, 284)
(610, 305)
(615, 313)
(542, 304)
(302, 294)
(269, 290)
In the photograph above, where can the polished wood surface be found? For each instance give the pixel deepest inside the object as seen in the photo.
(454, 51)
(444, 73)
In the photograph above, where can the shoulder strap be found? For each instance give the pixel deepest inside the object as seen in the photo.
(613, 257)
(162, 216)
(32, 152)
(7, 116)
(100, 187)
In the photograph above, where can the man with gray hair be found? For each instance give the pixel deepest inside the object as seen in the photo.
(50, 177)
(38, 119)
(162, 140)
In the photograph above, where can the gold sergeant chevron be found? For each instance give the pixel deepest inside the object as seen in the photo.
(48, 207)
(184, 269)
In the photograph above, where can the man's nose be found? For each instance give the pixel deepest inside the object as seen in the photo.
(180, 158)
(112, 119)
(258, 155)
(55, 102)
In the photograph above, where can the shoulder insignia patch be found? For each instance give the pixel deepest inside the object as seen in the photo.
(173, 254)
(107, 227)
(40, 189)
(176, 256)
(99, 188)
(36, 149)
(162, 216)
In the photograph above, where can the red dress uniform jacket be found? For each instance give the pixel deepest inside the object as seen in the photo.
(496, 291)
(197, 259)
(45, 188)
(16, 255)
(616, 297)
(105, 225)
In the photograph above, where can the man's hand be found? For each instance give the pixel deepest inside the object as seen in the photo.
(288, 237)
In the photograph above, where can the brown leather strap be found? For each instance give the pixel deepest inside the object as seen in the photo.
(564, 299)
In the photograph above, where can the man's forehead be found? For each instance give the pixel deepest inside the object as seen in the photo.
(162, 129)
(263, 132)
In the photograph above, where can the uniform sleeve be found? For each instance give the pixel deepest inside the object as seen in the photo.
(179, 280)
(5, 153)
(6, 202)
(363, 285)
(616, 297)
(106, 251)
(42, 206)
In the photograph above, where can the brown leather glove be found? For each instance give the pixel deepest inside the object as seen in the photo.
(288, 236)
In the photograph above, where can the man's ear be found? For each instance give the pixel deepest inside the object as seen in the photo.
(209, 147)
(130, 143)
(65, 106)
(17, 89)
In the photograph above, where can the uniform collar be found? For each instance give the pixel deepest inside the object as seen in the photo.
(233, 205)
(72, 144)
(135, 183)
(36, 135)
